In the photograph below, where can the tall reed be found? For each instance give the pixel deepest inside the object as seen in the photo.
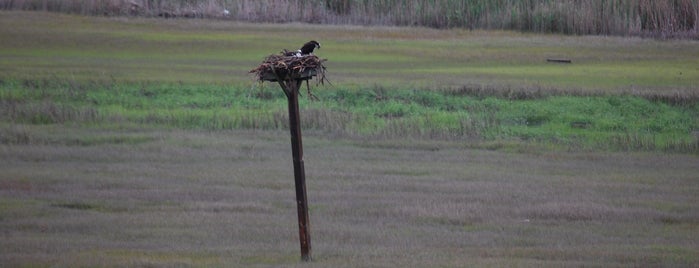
(658, 18)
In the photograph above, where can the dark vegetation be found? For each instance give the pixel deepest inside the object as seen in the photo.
(661, 18)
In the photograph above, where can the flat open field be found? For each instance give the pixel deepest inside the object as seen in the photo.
(45, 45)
(86, 197)
(495, 88)
(143, 142)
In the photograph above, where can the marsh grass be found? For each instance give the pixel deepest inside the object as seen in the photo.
(225, 198)
(52, 47)
(119, 146)
(566, 119)
(662, 19)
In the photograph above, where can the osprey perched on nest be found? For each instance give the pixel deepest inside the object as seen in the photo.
(306, 49)
(292, 66)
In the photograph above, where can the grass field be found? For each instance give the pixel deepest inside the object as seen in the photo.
(85, 197)
(410, 82)
(518, 120)
(143, 142)
(44, 45)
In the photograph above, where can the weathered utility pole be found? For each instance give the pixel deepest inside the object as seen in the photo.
(291, 89)
(290, 72)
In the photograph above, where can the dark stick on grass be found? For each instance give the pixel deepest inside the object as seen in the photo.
(290, 72)
(559, 60)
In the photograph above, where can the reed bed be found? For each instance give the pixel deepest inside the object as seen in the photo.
(662, 19)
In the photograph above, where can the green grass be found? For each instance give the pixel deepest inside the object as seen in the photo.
(608, 122)
(492, 88)
(44, 45)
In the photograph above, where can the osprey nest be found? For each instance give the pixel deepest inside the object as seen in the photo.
(282, 67)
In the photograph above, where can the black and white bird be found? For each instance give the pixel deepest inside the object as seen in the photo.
(306, 49)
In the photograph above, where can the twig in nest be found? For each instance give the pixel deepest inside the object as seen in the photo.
(288, 67)
(280, 67)
(310, 94)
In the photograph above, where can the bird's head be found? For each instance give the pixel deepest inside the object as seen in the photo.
(315, 43)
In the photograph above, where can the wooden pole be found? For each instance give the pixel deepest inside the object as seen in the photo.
(291, 88)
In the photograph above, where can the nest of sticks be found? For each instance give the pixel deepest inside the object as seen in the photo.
(281, 67)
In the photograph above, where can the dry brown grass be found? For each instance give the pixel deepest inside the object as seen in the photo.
(134, 197)
(657, 18)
